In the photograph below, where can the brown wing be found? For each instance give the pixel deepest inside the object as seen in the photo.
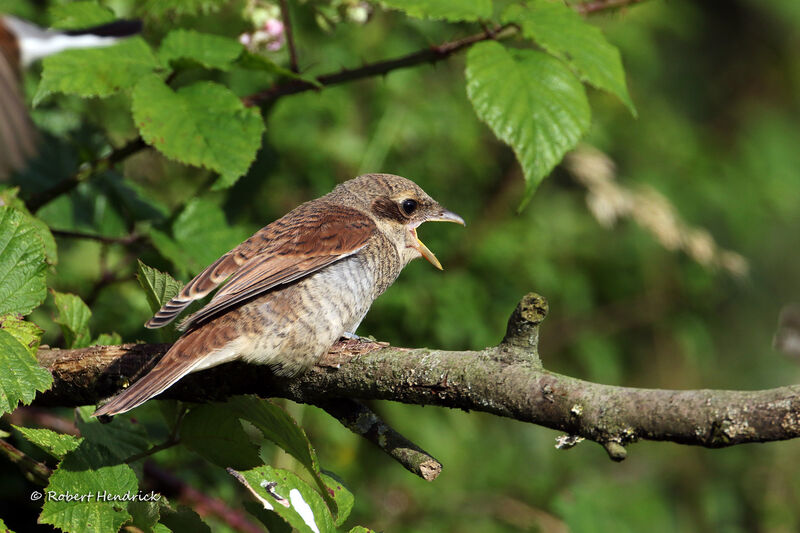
(17, 135)
(309, 238)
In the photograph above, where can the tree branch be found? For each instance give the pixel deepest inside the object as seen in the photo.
(432, 54)
(505, 380)
(287, 27)
(594, 6)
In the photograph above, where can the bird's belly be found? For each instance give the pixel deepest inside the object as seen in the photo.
(301, 321)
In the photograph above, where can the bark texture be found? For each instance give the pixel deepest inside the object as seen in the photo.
(506, 380)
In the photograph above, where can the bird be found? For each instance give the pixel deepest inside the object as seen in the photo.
(297, 285)
(22, 43)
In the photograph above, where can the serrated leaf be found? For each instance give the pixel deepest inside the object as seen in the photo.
(561, 31)
(276, 425)
(22, 264)
(288, 496)
(20, 374)
(159, 287)
(123, 436)
(96, 71)
(56, 444)
(9, 198)
(451, 10)
(531, 101)
(79, 15)
(27, 333)
(73, 317)
(212, 432)
(210, 51)
(93, 472)
(203, 124)
(341, 494)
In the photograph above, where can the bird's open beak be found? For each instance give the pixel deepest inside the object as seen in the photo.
(444, 216)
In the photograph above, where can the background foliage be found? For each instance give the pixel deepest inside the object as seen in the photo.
(715, 87)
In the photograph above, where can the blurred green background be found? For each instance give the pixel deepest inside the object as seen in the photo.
(717, 88)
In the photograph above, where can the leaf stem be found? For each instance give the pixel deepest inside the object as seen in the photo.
(287, 27)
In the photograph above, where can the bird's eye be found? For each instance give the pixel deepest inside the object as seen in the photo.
(409, 206)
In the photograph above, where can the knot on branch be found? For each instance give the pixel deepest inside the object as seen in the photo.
(522, 333)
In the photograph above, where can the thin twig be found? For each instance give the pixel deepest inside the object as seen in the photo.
(362, 421)
(172, 440)
(127, 239)
(34, 470)
(83, 173)
(431, 54)
(287, 27)
(602, 5)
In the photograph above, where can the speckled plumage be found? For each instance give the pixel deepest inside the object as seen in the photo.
(296, 285)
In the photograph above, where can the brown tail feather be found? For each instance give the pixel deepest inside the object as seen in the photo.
(169, 370)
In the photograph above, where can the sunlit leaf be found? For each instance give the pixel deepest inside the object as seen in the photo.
(22, 263)
(290, 497)
(96, 71)
(20, 374)
(531, 101)
(210, 51)
(93, 472)
(561, 31)
(73, 317)
(27, 333)
(56, 444)
(79, 15)
(203, 124)
(452, 10)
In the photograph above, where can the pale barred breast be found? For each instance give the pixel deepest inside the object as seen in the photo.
(299, 322)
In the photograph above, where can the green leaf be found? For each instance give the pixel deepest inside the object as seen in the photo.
(107, 339)
(561, 31)
(4, 527)
(123, 436)
(96, 71)
(92, 472)
(211, 51)
(361, 529)
(289, 496)
(144, 514)
(20, 374)
(341, 494)
(531, 101)
(56, 444)
(212, 432)
(73, 317)
(184, 520)
(452, 10)
(79, 15)
(9, 197)
(276, 425)
(22, 264)
(159, 287)
(203, 124)
(160, 9)
(27, 333)
(201, 235)
(250, 61)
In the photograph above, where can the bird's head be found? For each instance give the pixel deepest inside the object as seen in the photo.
(398, 206)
